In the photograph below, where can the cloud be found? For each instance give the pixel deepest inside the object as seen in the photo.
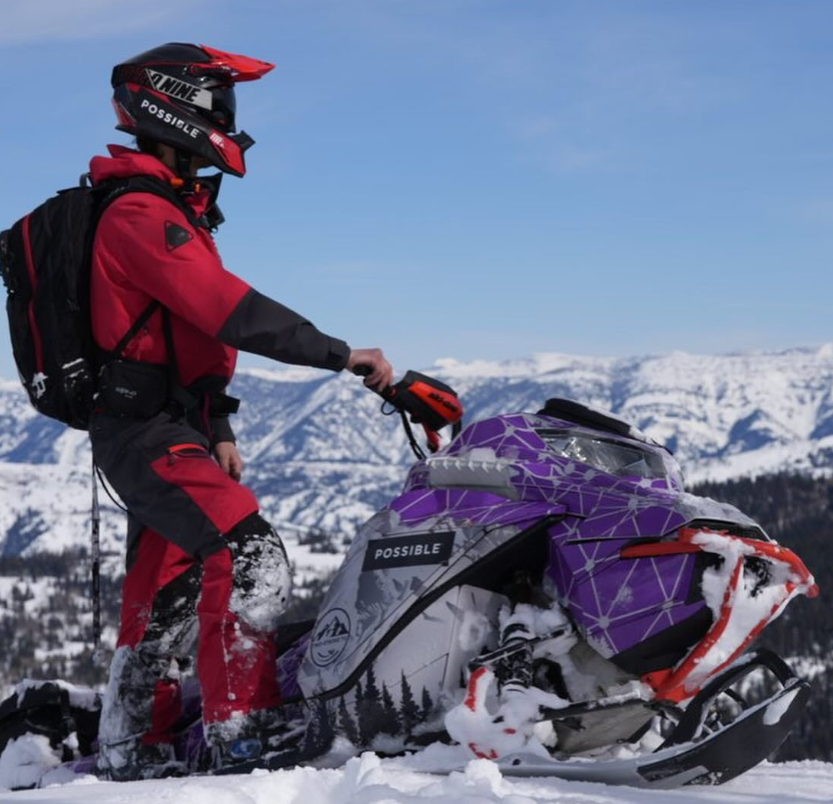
(43, 20)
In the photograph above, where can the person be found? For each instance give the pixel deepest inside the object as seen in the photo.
(203, 566)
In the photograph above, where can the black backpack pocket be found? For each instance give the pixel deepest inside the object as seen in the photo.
(138, 390)
(48, 709)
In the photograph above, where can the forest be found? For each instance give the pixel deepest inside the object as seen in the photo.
(45, 608)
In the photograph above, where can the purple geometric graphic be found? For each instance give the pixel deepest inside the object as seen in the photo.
(616, 603)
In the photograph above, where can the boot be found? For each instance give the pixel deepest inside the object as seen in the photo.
(246, 739)
(132, 760)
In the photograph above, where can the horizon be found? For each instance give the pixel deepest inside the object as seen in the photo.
(448, 363)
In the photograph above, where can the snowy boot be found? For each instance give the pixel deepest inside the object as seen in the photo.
(247, 739)
(132, 760)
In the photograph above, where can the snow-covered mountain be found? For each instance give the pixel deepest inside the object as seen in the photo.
(321, 456)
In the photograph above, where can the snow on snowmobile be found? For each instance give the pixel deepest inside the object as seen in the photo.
(543, 594)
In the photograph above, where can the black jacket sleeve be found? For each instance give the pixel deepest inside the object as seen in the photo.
(221, 430)
(265, 327)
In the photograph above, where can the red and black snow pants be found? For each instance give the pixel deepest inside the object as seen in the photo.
(201, 565)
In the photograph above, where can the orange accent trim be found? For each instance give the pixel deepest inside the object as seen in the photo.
(471, 697)
(447, 405)
(480, 755)
(432, 437)
(670, 684)
(652, 549)
(179, 447)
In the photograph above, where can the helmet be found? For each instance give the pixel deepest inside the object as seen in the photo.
(183, 95)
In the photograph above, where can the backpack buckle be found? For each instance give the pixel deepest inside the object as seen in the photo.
(39, 384)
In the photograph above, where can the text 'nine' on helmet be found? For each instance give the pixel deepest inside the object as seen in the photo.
(183, 95)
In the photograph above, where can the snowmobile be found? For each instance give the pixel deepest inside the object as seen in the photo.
(543, 594)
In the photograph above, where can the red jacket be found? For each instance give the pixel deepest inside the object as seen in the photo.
(145, 248)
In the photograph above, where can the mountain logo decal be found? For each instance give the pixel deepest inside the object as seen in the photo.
(176, 235)
(330, 637)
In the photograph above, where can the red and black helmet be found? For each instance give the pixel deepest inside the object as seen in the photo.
(183, 95)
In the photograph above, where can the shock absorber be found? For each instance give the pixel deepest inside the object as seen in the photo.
(514, 671)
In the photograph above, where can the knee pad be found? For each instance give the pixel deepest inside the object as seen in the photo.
(262, 580)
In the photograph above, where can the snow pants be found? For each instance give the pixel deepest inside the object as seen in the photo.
(202, 565)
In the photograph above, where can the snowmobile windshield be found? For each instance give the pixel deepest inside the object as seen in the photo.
(612, 457)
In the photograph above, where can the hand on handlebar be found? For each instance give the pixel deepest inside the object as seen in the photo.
(378, 373)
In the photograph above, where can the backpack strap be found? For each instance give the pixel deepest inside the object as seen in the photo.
(179, 394)
(147, 184)
(128, 336)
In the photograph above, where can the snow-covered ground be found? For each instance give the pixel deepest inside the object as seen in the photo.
(369, 780)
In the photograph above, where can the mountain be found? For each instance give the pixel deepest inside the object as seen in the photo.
(321, 458)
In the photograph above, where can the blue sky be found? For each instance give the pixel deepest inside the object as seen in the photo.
(486, 178)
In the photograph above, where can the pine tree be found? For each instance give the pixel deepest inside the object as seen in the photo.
(311, 741)
(427, 705)
(346, 723)
(408, 709)
(370, 710)
(371, 691)
(326, 732)
(390, 719)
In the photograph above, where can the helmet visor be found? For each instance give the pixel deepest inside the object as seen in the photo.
(223, 108)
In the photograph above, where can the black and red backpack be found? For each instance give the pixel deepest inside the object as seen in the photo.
(45, 261)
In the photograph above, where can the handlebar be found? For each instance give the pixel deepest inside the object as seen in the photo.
(427, 401)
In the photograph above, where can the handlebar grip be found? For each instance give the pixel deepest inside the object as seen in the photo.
(365, 371)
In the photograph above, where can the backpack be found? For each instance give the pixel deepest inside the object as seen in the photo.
(45, 261)
(66, 716)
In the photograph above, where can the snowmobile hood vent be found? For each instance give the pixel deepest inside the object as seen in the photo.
(480, 470)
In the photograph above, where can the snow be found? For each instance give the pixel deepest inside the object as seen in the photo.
(747, 608)
(496, 734)
(283, 373)
(25, 759)
(264, 565)
(776, 710)
(370, 780)
(475, 628)
(81, 697)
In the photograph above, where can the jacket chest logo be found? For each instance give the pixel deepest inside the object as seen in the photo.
(176, 235)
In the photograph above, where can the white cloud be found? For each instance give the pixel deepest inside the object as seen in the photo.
(40, 20)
